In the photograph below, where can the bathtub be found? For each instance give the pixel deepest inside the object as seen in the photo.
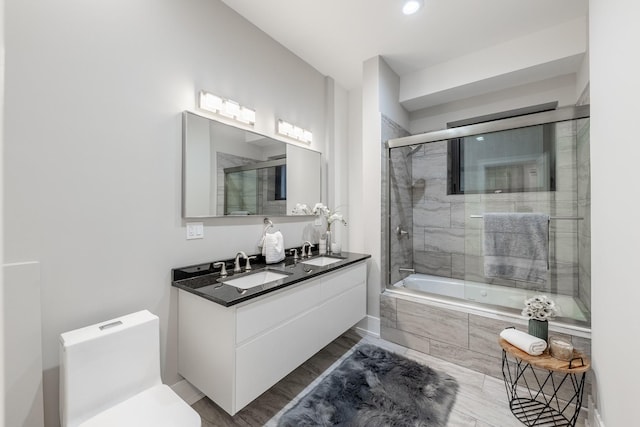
(493, 298)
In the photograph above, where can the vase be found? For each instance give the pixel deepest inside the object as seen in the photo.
(328, 240)
(539, 329)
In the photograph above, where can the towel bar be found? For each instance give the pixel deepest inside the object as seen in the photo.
(551, 217)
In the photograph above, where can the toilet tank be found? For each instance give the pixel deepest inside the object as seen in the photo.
(104, 364)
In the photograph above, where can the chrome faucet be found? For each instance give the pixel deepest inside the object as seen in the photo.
(308, 254)
(248, 266)
(294, 251)
(236, 268)
(303, 254)
(223, 270)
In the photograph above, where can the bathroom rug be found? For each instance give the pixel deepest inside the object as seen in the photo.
(374, 387)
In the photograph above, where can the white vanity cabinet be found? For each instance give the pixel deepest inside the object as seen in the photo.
(234, 354)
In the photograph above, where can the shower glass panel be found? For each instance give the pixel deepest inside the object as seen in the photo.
(241, 193)
(448, 184)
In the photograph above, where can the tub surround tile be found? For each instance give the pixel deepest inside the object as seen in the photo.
(387, 311)
(449, 240)
(432, 322)
(436, 263)
(463, 356)
(432, 213)
(457, 266)
(484, 333)
(405, 339)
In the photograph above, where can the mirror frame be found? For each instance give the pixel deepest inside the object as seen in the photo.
(185, 115)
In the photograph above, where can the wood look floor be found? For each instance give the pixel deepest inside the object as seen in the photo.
(481, 399)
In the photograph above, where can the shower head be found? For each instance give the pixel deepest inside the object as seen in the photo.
(414, 149)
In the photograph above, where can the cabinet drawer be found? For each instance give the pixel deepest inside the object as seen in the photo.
(336, 283)
(264, 314)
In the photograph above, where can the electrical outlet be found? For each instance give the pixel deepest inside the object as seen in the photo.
(318, 221)
(195, 230)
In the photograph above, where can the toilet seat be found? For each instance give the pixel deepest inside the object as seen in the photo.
(157, 406)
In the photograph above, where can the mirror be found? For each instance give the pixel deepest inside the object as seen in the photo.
(231, 171)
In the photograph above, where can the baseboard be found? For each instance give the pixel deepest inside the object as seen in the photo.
(369, 325)
(187, 392)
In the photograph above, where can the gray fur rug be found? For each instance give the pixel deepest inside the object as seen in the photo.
(374, 387)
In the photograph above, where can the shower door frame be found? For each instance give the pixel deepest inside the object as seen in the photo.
(533, 119)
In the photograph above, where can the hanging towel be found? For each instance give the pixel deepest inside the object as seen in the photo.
(516, 246)
(525, 342)
(273, 248)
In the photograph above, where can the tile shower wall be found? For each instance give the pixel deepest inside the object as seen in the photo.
(447, 242)
(399, 212)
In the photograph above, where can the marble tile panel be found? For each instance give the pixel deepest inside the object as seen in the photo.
(432, 213)
(405, 339)
(438, 148)
(436, 189)
(484, 334)
(457, 266)
(436, 263)
(445, 325)
(563, 247)
(564, 278)
(430, 167)
(387, 311)
(449, 240)
(458, 215)
(463, 356)
(474, 271)
(473, 242)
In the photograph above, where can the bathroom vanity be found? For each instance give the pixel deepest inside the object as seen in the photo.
(234, 344)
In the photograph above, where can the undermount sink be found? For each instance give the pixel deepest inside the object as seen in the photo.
(255, 279)
(322, 261)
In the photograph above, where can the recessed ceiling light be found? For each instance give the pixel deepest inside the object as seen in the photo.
(412, 6)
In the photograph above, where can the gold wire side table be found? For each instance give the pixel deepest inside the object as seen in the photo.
(527, 400)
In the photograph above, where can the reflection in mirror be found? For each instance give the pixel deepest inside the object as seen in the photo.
(231, 171)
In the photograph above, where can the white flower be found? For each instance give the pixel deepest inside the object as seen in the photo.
(321, 209)
(540, 307)
(302, 209)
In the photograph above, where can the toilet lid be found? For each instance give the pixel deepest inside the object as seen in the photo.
(157, 406)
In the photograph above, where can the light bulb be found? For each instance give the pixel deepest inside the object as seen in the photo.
(411, 6)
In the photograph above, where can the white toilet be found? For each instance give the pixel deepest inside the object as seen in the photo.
(110, 376)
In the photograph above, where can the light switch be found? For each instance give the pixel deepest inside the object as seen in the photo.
(195, 230)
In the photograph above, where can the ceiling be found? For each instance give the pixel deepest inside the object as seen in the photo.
(337, 36)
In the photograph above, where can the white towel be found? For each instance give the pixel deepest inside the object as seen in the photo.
(273, 249)
(525, 342)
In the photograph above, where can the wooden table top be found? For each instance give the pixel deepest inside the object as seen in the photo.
(545, 361)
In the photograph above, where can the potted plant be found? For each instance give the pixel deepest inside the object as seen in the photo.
(539, 309)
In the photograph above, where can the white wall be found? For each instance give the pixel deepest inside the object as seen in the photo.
(615, 90)
(380, 94)
(2, 66)
(561, 89)
(545, 54)
(94, 95)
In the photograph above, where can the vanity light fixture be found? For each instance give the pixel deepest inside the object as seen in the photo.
(295, 132)
(410, 7)
(227, 108)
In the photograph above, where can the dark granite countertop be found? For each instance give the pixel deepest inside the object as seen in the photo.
(203, 280)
